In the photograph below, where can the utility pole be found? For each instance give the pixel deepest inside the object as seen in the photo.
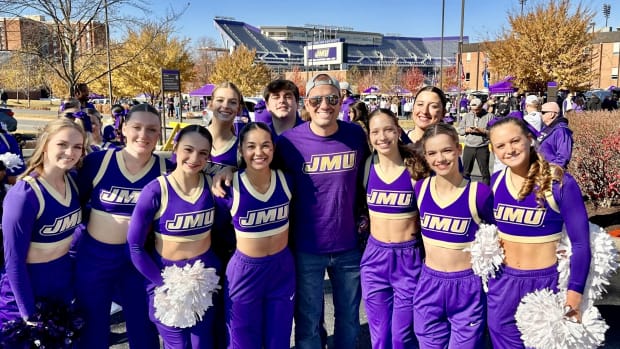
(107, 44)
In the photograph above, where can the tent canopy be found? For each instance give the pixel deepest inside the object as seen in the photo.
(205, 90)
(371, 89)
(503, 86)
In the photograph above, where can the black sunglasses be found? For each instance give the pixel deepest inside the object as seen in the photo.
(316, 101)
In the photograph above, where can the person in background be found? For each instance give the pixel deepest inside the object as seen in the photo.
(594, 103)
(260, 278)
(551, 198)
(474, 128)
(161, 214)
(555, 142)
(358, 113)
(391, 263)
(442, 319)
(261, 114)
(97, 142)
(429, 108)
(282, 101)
(531, 115)
(81, 93)
(41, 214)
(347, 99)
(4, 97)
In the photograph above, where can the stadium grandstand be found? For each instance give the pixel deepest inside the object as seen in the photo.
(336, 48)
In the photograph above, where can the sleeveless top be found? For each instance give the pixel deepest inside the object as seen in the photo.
(388, 197)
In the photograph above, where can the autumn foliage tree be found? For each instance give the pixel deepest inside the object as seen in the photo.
(450, 78)
(412, 79)
(297, 78)
(544, 44)
(240, 68)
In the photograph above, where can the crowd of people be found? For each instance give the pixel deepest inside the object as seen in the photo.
(228, 242)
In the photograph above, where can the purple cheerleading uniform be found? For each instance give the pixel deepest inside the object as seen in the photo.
(225, 157)
(450, 307)
(259, 291)
(36, 215)
(105, 270)
(524, 221)
(390, 271)
(163, 209)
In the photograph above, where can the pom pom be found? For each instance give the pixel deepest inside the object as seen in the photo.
(54, 325)
(542, 322)
(11, 161)
(487, 255)
(603, 263)
(185, 295)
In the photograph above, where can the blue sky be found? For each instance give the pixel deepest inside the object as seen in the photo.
(416, 18)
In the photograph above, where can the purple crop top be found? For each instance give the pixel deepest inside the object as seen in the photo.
(388, 197)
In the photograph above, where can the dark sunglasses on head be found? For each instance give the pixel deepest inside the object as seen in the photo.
(317, 100)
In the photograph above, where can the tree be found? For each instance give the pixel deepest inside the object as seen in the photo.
(450, 78)
(205, 53)
(239, 68)
(546, 44)
(388, 78)
(143, 73)
(21, 73)
(413, 79)
(72, 26)
(299, 80)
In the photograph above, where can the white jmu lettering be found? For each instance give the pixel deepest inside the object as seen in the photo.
(266, 216)
(192, 220)
(387, 198)
(120, 196)
(445, 224)
(520, 215)
(330, 162)
(62, 224)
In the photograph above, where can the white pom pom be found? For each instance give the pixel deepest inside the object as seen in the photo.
(11, 161)
(540, 318)
(603, 263)
(185, 295)
(487, 255)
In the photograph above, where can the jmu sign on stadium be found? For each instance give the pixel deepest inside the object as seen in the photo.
(322, 53)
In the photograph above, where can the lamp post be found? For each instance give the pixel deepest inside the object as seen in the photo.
(606, 12)
(443, 11)
(460, 48)
(522, 2)
(107, 44)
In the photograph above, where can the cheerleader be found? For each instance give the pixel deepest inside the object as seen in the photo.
(177, 210)
(41, 213)
(533, 200)
(260, 277)
(110, 183)
(393, 256)
(449, 307)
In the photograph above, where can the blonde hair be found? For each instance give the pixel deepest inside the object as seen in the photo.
(230, 85)
(35, 163)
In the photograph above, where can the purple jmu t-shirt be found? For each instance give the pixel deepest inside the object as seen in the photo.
(327, 174)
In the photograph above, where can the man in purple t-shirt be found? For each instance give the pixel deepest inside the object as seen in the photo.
(281, 99)
(325, 159)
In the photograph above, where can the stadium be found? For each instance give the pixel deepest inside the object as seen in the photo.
(324, 47)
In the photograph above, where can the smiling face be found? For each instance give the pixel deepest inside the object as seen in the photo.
(323, 105)
(442, 154)
(225, 104)
(511, 145)
(257, 149)
(142, 131)
(427, 109)
(383, 133)
(64, 149)
(282, 104)
(192, 152)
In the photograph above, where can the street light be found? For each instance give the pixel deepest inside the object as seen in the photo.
(522, 2)
(606, 12)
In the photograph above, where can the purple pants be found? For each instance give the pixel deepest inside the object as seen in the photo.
(504, 296)
(450, 309)
(199, 336)
(51, 280)
(260, 299)
(103, 271)
(389, 275)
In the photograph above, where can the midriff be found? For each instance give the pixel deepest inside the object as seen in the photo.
(176, 251)
(42, 253)
(264, 246)
(107, 228)
(529, 256)
(394, 230)
(446, 259)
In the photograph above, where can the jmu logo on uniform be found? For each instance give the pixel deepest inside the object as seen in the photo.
(533, 217)
(119, 195)
(265, 216)
(327, 163)
(62, 224)
(191, 220)
(445, 224)
(389, 198)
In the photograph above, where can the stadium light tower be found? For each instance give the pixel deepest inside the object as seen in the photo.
(606, 12)
(522, 2)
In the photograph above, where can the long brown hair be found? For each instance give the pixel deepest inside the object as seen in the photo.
(415, 163)
(35, 164)
(541, 173)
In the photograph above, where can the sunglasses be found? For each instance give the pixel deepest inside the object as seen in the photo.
(316, 101)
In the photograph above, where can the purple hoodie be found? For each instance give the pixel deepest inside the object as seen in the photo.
(555, 142)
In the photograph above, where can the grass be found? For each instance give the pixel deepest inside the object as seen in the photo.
(35, 104)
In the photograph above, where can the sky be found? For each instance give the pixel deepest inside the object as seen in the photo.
(413, 18)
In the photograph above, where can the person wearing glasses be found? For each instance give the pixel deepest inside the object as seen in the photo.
(555, 142)
(325, 159)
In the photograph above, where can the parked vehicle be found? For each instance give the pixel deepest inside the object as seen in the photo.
(7, 120)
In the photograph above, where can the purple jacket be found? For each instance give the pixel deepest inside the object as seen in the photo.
(344, 109)
(555, 142)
